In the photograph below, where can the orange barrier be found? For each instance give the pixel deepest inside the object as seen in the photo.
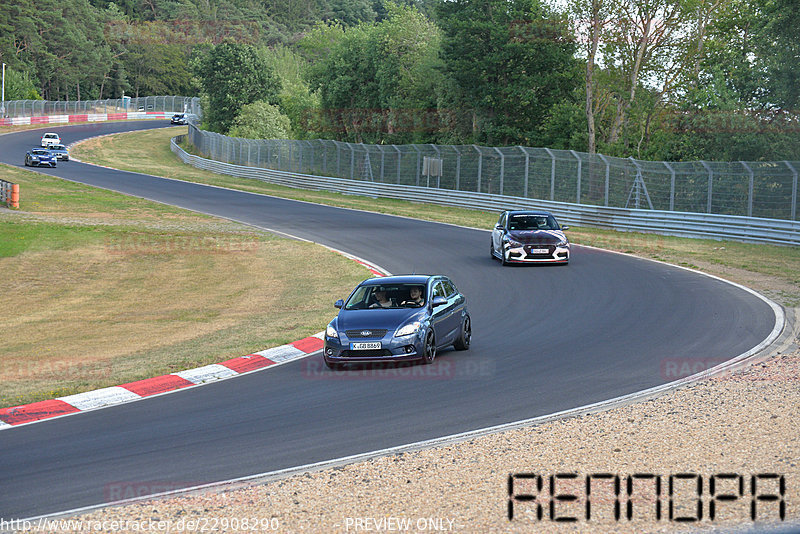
(9, 193)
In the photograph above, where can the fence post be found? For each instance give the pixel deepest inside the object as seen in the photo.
(794, 189)
(439, 157)
(525, 179)
(671, 186)
(608, 172)
(710, 180)
(399, 156)
(749, 189)
(580, 168)
(352, 160)
(480, 167)
(419, 157)
(383, 158)
(502, 167)
(458, 168)
(552, 174)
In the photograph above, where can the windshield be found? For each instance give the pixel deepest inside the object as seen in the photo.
(41, 153)
(532, 222)
(389, 296)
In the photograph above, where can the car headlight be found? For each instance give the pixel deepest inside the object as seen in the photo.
(512, 243)
(331, 332)
(409, 329)
(563, 243)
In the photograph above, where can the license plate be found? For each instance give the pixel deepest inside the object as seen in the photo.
(370, 345)
(540, 251)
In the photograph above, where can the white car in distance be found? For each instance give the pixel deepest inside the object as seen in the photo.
(50, 138)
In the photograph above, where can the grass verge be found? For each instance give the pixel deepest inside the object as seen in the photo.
(103, 289)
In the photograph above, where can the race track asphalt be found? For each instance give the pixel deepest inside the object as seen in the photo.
(546, 339)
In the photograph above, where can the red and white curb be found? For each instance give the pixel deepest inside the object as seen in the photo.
(132, 391)
(85, 117)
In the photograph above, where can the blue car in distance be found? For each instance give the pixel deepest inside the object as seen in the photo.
(398, 318)
(36, 157)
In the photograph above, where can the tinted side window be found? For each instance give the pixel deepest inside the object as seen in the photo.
(449, 288)
(438, 290)
(502, 220)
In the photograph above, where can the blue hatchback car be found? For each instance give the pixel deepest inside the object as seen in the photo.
(398, 318)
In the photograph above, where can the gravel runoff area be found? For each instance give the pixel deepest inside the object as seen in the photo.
(734, 427)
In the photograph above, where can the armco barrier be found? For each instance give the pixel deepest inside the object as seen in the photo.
(697, 225)
(9, 193)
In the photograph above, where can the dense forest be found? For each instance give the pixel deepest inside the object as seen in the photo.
(653, 79)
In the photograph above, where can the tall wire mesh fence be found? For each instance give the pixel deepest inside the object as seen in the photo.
(40, 108)
(752, 189)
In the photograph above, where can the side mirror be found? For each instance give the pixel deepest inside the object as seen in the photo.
(438, 301)
(338, 304)
(498, 226)
(565, 227)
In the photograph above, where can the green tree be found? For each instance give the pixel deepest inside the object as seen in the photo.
(261, 120)
(377, 81)
(296, 99)
(19, 86)
(234, 75)
(510, 62)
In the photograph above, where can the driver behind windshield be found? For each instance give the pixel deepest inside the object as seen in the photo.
(415, 297)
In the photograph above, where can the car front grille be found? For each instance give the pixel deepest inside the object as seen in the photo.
(378, 353)
(359, 334)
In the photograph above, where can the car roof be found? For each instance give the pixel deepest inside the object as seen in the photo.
(529, 212)
(399, 279)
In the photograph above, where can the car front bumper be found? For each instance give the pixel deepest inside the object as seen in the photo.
(537, 254)
(392, 349)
